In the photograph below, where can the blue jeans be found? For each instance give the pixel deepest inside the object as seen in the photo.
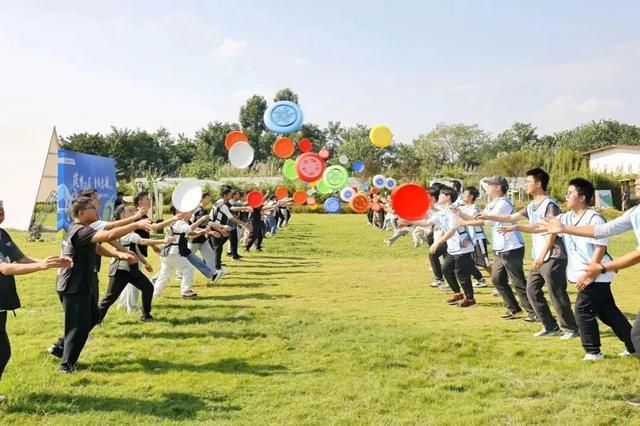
(200, 265)
(273, 225)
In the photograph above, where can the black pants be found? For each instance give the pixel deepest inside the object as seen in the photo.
(475, 272)
(380, 215)
(553, 273)
(434, 259)
(217, 244)
(457, 269)
(370, 216)
(5, 346)
(507, 266)
(256, 236)
(233, 242)
(81, 314)
(119, 281)
(596, 301)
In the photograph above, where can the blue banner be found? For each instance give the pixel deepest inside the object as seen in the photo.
(77, 171)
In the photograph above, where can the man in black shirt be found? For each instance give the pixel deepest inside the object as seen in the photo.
(14, 262)
(77, 286)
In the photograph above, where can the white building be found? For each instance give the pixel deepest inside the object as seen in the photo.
(619, 159)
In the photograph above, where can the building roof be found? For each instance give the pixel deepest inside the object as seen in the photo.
(608, 147)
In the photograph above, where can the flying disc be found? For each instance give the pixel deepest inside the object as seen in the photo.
(360, 203)
(283, 147)
(289, 170)
(187, 196)
(357, 166)
(343, 159)
(323, 187)
(347, 194)
(299, 197)
(233, 137)
(324, 153)
(332, 205)
(305, 145)
(283, 117)
(410, 201)
(335, 177)
(241, 155)
(309, 166)
(390, 183)
(311, 201)
(375, 191)
(364, 186)
(282, 192)
(381, 136)
(255, 199)
(379, 181)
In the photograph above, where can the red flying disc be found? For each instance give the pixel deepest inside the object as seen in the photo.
(233, 137)
(309, 166)
(300, 197)
(282, 192)
(410, 201)
(311, 201)
(255, 199)
(375, 191)
(283, 147)
(360, 203)
(305, 145)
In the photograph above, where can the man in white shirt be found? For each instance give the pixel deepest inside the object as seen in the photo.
(508, 251)
(221, 214)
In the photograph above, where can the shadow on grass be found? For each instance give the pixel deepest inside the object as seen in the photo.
(197, 319)
(191, 306)
(257, 296)
(227, 366)
(173, 406)
(246, 285)
(171, 335)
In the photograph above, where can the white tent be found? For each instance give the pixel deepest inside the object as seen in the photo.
(24, 154)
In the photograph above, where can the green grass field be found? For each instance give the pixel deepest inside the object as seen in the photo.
(326, 326)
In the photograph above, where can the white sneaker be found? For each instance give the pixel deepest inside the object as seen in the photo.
(388, 243)
(593, 357)
(436, 283)
(495, 293)
(445, 287)
(481, 283)
(2, 399)
(222, 272)
(569, 335)
(625, 354)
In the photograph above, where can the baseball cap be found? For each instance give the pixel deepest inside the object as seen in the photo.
(498, 180)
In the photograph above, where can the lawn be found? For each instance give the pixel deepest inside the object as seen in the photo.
(326, 326)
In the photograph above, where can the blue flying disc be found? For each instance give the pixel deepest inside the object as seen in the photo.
(332, 205)
(357, 166)
(283, 117)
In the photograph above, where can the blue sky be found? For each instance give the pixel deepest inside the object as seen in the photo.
(87, 65)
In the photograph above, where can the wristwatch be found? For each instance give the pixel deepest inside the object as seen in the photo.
(603, 269)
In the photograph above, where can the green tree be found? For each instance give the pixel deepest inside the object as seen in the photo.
(286, 94)
(252, 122)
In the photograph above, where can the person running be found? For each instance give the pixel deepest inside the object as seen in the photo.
(549, 259)
(14, 262)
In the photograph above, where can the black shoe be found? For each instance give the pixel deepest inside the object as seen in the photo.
(67, 369)
(259, 249)
(56, 351)
(145, 318)
(509, 315)
(531, 318)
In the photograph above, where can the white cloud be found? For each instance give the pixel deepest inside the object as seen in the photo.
(565, 112)
(231, 47)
